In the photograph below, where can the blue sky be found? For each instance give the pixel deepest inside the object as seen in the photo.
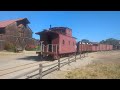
(91, 25)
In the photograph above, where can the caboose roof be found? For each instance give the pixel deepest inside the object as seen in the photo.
(47, 31)
(59, 28)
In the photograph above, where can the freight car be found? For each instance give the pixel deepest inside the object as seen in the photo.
(57, 42)
(83, 47)
(92, 47)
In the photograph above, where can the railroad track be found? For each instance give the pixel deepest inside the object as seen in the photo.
(20, 68)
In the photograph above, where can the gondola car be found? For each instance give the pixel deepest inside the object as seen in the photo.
(83, 47)
(92, 47)
(57, 42)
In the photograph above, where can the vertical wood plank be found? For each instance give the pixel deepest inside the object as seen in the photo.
(80, 54)
(40, 71)
(52, 47)
(68, 60)
(58, 63)
(75, 57)
(56, 48)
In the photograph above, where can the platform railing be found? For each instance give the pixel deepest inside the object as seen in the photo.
(48, 48)
(53, 47)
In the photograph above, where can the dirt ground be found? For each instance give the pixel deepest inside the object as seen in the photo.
(101, 59)
(14, 64)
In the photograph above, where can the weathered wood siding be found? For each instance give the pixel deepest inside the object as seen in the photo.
(19, 29)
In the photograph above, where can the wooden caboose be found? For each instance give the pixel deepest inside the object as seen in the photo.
(16, 32)
(57, 41)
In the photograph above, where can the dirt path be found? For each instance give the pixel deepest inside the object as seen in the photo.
(17, 62)
(14, 64)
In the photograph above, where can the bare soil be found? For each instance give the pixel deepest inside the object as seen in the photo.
(12, 64)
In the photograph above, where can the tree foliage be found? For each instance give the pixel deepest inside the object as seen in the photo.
(111, 41)
(9, 46)
(85, 41)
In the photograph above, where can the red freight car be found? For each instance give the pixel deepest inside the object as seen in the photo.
(57, 41)
(83, 47)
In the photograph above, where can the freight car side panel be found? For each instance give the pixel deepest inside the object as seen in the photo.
(66, 44)
(104, 47)
(100, 47)
(94, 48)
(79, 47)
(83, 47)
(111, 47)
(90, 47)
(107, 47)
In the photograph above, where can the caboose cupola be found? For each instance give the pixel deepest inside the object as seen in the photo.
(63, 30)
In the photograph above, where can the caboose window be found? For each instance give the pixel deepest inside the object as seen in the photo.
(63, 42)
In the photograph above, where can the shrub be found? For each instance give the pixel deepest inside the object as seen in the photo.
(30, 47)
(9, 46)
(37, 47)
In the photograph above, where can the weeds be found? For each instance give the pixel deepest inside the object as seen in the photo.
(96, 71)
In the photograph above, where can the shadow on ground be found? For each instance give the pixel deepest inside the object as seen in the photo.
(36, 58)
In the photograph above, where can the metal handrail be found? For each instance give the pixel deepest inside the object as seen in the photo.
(45, 48)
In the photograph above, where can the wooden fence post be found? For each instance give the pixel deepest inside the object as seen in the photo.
(87, 54)
(52, 47)
(68, 60)
(75, 57)
(84, 54)
(58, 63)
(40, 71)
(80, 55)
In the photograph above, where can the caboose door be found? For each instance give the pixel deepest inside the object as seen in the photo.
(50, 42)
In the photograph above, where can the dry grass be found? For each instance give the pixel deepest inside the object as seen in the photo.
(96, 71)
(105, 66)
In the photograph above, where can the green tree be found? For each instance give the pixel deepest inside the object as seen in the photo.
(111, 41)
(85, 41)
